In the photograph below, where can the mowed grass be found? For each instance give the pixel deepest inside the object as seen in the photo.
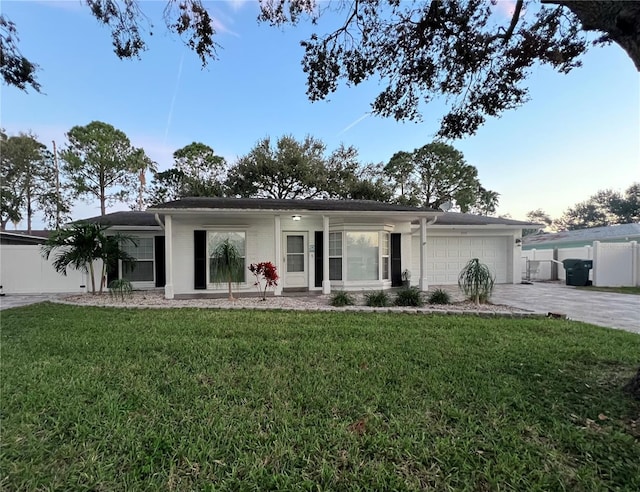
(614, 290)
(188, 399)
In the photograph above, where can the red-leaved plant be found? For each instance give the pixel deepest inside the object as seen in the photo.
(264, 271)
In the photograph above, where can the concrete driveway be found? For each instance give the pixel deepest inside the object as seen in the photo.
(599, 308)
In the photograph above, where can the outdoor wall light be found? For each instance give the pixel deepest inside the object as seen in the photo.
(296, 217)
(518, 242)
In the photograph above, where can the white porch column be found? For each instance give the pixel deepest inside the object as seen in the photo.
(326, 283)
(277, 234)
(168, 254)
(423, 284)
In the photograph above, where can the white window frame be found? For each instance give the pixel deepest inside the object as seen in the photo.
(335, 256)
(152, 260)
(385, 243)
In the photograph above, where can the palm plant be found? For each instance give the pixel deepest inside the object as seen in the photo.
(476, 281)
(80, 244)
(227, 265)
(111, 251)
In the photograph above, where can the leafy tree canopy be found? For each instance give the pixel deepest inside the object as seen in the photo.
(606, 207)
(100, 162)
(435, 174)
(467, 51)
(288, 169)
(197, 171)
(28, 178)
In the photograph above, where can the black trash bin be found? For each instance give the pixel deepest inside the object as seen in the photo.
(577, 271)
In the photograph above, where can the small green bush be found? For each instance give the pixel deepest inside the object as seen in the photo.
(120, 288)
(377, 299)
(439, 296)
(409, 297)
(341, 298)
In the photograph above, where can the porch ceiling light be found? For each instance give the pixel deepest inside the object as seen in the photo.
(296, 217)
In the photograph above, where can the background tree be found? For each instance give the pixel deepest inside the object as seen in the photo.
(606, 207)
(347, 178)
(486, 202)
(398, 170)
(28, 180)
(538, 216)
(440, 174)
(204, 171)
(166, 186)
(290, 169)
(197, 171)
(100, 162)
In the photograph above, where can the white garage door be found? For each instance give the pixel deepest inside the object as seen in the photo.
(447, 256)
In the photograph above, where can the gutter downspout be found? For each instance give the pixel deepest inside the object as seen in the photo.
(159, 222)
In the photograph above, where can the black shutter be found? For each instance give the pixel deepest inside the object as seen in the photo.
(112, 272)
(200, 259)
(160, 261)
(319, 257)
(396, 260)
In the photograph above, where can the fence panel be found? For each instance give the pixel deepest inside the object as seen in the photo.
(615, 264)
(23, 270)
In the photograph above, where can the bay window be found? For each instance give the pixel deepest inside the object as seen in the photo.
(362, 255)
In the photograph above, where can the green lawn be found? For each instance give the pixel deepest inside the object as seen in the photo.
(188, 399)
(614, 290)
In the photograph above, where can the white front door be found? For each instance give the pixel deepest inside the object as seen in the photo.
(295, 260)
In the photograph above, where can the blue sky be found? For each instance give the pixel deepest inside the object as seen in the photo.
(578, 134)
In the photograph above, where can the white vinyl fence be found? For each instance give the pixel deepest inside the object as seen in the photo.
(23, 270)
(614, 264)
(618, 264)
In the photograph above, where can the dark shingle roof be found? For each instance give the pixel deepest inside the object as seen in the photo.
(274, 204)
(146, 219)
(454, 218)
(24, 237)
(125, 218)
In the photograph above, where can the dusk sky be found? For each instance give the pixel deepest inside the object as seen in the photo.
(579, 133)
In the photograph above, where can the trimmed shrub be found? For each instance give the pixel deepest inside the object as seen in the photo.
(409, 297)
(377, 299)
(341, 298)
(439, 296)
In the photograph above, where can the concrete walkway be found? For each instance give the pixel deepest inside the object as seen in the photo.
(17, 300)
(599, 308)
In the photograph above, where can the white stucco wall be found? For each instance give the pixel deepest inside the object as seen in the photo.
(261, 246)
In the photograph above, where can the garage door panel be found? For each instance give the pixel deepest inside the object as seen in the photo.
(448, 256)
